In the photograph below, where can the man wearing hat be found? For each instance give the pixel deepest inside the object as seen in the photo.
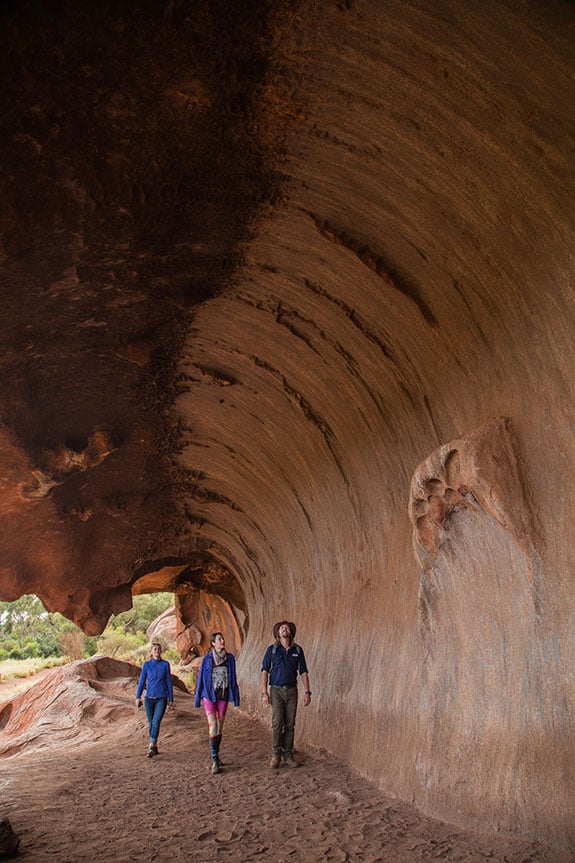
(280, 666)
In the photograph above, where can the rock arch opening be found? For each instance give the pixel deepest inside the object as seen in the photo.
(207, 598)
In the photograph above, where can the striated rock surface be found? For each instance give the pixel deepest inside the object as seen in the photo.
(288, 330)
(78, 703)
(66, 705)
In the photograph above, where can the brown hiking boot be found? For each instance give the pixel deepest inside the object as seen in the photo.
(275, 762)
(291, 762)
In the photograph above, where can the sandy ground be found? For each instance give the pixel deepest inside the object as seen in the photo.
(104, 800)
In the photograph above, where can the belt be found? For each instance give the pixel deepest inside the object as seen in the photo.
(274, 686)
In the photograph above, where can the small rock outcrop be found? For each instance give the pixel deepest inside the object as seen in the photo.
(79, 702)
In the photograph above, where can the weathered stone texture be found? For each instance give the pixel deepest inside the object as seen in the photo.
(290, 332)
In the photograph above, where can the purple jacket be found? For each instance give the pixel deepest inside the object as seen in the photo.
(205, 687)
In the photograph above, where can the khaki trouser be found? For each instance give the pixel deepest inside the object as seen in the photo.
(284, 708)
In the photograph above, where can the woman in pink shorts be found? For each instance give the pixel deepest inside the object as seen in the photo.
(217, 685)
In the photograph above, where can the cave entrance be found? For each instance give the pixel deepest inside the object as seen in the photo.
(207, 598)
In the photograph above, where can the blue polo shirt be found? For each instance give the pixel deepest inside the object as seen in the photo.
(283, 665)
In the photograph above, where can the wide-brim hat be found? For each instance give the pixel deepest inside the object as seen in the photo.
(281, 623)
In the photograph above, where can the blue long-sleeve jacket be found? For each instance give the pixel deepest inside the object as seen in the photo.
(205, 687)
(156, 677)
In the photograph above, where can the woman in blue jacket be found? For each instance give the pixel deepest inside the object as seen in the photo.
(156, 678)
(217, 685)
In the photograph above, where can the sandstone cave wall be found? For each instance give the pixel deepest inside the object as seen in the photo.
(387, 441)
(289, 321)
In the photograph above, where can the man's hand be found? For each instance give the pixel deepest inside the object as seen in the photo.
(138, 702)
(306, 698)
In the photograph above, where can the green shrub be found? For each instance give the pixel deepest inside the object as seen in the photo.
(29, 649)
(91, 646)
(119, 644)
(28, 630)
(48, 644)
(145, 609)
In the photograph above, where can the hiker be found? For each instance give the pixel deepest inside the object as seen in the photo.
(156, 678)
(281, 663)
(216, 687)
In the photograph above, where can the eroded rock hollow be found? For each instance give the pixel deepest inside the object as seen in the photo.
(287, 326)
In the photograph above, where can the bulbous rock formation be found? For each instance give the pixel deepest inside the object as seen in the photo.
(288, 324)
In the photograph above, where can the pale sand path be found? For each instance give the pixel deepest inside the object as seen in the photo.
(104, 801)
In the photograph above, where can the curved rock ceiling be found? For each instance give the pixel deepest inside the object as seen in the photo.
(287, 305)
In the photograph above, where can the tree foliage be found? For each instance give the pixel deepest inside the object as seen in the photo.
(145, 609)
(28, 630)
(120, 644)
